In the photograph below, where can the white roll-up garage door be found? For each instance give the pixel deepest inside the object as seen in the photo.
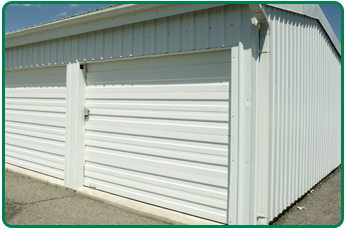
(35, 104)
(158, 131)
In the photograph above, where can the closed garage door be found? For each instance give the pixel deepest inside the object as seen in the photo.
(35, 119)
(158, 131)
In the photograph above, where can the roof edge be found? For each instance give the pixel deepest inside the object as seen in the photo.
(312, 11)
(113, 11)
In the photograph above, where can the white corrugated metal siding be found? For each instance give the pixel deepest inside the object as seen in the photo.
(35, 119)
(305, 107)
(199, 30)
(158, 131)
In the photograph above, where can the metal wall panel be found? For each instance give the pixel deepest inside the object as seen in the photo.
(305, 107)
(158, 131)
(35, 106)
(216, 27)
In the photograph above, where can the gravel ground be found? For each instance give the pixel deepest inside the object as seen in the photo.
(31, 202)
(323, 205)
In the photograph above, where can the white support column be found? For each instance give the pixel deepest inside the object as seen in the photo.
(263, 126)
(233, 138)
(263, 140)
(75, 131)
(263, 113)
(241, 166)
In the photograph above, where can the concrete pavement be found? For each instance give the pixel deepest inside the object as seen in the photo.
(323, 205)
(31, 202)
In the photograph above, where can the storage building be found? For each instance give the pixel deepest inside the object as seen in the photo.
(225, 112)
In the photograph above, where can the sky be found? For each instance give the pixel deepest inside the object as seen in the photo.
(25, 15)
(333, 15)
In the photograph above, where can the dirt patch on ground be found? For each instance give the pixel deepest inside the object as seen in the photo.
(12, 209)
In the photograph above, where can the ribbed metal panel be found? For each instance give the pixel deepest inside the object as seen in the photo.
(205, 29)
(305, 107)
(159, 135)
(35, 119)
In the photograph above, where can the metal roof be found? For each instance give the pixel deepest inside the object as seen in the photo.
(91, 16)
(60, 19)
(309, 10)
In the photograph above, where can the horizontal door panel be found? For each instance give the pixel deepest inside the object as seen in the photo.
(164, 201)
(162, 96)
(198, 127)
(36, 118)
(36, 154)
(33, 159)
(211, 202)
(39, 144)
(187, 173)
(36, 134)
(51, 76)
(58, 102)
(183, 155)
(162, 114)
(162, 162)
(36, 93)
(162, 75)
(167, 182)
(167, 122)
(60, 131)
(220, 87)
(36, 108)
(164, 105)
(223, 139)
(158, 131)
(35, 167)
(198, 147)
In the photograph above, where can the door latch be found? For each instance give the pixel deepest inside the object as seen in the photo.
(86, 114)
